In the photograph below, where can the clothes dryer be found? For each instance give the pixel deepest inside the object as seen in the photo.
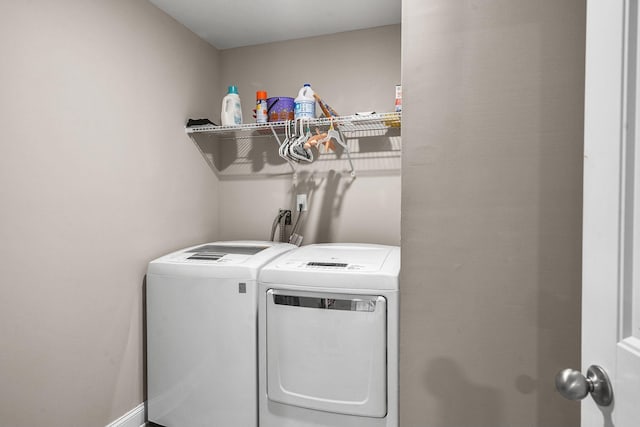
(201, 319)
(328, 337)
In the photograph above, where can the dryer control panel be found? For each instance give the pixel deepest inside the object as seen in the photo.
(339, 265)
(325, 266)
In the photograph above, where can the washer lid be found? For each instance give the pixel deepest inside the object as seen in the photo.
(220, 259)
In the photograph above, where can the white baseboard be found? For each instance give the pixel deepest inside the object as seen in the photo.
(133, 418)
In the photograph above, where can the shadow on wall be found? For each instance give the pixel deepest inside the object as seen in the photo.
(476, 405)
(222, 153)
(306, 183)
(246, 156)
(207, 147)
(330, 205)
(377, 144)
(263, 152)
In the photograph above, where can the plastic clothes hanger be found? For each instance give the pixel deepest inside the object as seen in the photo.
(282, 151)
(284, 141)
(281, 145)
(332, 133)
(297, 149)
(298, 134)
(315, 139)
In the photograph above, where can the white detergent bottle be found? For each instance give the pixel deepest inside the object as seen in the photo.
(305, 103)
(231, 112)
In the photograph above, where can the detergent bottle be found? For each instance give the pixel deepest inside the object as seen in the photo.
(305, 103)
(231, 112)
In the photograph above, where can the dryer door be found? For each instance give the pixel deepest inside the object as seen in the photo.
(327, 351)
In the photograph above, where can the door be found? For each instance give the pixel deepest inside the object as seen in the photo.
(611, 228)
(327, 351)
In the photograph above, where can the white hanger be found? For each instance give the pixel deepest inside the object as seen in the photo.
(297, 149)
(332, 133)
(282, 151)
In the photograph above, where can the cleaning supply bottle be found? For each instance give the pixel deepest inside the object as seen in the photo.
(305, 103)
(261, 106)
(398, 108)
(231, 113)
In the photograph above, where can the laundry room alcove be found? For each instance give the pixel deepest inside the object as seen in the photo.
(353, 194)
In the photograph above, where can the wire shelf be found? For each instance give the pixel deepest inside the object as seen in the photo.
(353, 125)
(378, 130)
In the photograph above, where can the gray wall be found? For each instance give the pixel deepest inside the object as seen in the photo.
(491, 211)
(96, 178)
(353, 71)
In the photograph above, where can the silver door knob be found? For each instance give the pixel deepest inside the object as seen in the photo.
(574, 386)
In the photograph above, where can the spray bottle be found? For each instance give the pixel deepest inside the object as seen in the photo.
(261, 106)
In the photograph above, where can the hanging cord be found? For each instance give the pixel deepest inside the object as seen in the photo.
(295, 238)
(283, 225)
(280, 220)
(297, 223)
(275, 224)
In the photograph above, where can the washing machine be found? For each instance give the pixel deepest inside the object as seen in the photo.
(201, 326)
(328, 337)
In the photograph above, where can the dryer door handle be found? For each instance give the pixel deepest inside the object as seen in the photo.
(363, 303)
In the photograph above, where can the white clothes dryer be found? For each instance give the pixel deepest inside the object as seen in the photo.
(328, 337)
(201, 323)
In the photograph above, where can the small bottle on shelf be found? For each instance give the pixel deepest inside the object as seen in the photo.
(261, 106)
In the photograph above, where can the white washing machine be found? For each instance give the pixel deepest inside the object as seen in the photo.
(328, 337)
(202, 334)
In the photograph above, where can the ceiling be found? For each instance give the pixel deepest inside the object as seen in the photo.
(234, 23)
